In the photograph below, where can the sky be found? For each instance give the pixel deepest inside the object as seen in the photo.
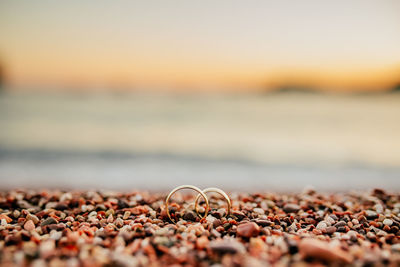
(230, 45)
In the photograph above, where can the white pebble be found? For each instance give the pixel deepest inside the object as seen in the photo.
(259, 211)
(387, 222)
(321, 225)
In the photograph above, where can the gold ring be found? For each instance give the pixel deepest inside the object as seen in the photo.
(216, 190)
(186, 187)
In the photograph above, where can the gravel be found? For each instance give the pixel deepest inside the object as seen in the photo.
(102, 228)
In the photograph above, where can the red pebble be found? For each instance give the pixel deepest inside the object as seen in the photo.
(248, 229)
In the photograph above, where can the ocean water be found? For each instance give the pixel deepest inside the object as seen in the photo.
(282, 141)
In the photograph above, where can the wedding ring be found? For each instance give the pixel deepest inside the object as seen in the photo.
(216, 190)
(187, 187)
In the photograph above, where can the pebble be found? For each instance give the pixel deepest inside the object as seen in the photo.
(119, 222)
(6, 218)
(292, 227)
(259, 211)
(263, 223)
(190, 216)
(387, 222)
(248, 229)
(126, 215)
(239, 215)
(65, 197)
(370, 214)
(330, 230)
(329, 220)
(352, 235)
(289, 208)
(227, 246)
(316, 249)
(16, 213)
(322, 225)
(371, 236)
(49, 221)
(29, 225)
(110, 218)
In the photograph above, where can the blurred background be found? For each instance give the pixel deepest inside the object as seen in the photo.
(255, 95)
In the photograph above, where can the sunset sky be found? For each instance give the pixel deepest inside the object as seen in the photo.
(233, 45)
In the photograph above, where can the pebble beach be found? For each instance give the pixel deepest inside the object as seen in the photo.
(104, 228)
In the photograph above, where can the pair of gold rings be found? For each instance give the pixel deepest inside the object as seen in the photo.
(202, 193)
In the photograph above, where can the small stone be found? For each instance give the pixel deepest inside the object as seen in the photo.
(322, 225)
(218, 213)
(24, 204)
(259, 211)
(189, 216)
(334, 217)
(119, 222)
(29, 226)
(290, 207)
(381, 233)
(49, 221)
(292, 227)
(379, 208)
(227, 246)
(110, 212)
(387, 222)
(270, 204)
(126, 215)
(330, 230)
(238, 214)
(61, 206)
(5, 217)
(329, 220)
(16, 213)
(371, 236)
(370, 214)
(33, 218)
(248, 229)
(352, 235)
(263, 223)
(340, 224)
(65, 197)
(216, 222)
(317, 249)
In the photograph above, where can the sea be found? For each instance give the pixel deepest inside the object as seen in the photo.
(261, 142)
